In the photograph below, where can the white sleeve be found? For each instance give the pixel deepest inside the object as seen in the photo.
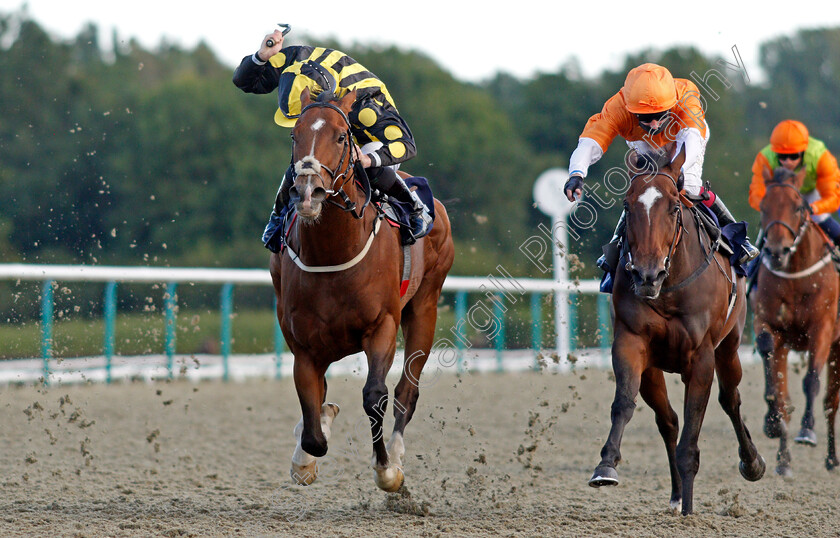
(694, 144)
(587, 153)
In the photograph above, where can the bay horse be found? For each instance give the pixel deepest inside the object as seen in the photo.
(795, 308)
(338, 289)
(677, 307)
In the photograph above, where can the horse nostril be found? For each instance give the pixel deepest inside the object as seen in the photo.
(786, 251)
(294, 195)
(319, 194)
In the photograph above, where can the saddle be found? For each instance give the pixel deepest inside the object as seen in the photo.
(726, 240)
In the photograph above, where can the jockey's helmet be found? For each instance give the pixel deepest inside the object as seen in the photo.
(789, 136)
(649, 89)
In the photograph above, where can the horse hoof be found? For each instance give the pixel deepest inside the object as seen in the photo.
(831, 463)
(390, 479)
(303, 475)
(754, 471)
(784, 471)
(604, 476)
(806, 436)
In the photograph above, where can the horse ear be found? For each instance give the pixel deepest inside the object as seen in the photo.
(800, 177)
(631, 160)
(766, 174)
(305, 98)
(678, 161)
(346, 102)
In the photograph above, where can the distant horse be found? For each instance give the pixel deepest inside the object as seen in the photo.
(795, 307)
(677, 307)
(338, 288)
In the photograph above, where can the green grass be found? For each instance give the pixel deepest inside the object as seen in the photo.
(141, 334)
(198, 331)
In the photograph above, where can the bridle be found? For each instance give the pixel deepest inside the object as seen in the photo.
(339, 175)
(678, 229)
(806, 220)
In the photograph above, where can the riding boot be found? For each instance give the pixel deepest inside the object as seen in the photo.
(612, 250)
(388, 181)
(832, 230)
(725, 217)
(278, 213)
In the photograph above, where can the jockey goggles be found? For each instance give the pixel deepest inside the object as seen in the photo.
(789, 156)
(647, 118)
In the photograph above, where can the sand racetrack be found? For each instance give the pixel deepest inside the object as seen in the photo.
(486, 454)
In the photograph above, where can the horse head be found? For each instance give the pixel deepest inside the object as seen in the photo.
(322, 152)
(654, 217)
(784, 215)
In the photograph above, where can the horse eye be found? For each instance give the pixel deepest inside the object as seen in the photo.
(341, 138)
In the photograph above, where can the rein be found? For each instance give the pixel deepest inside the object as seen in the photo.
(348, 151)
(677, 237)
(797, 235)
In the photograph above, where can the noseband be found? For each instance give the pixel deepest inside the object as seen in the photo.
(675, 240)
(797, 235)
(348, 151)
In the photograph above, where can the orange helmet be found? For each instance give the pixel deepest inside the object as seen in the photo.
(648, 89)
(790, 136)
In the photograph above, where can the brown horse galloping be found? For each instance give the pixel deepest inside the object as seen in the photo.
(677, 307)
(795, 306)
(338, 291)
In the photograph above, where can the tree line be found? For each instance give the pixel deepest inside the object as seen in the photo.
(131, 156)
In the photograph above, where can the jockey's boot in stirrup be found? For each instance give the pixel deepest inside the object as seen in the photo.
(832, 230)
(278, 213)
(390, 182)
(749, 252)
(609, 259)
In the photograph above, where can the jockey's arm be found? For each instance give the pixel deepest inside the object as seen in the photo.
(253, 77)
(388, 127)
(587, 153)
(757, 187)
(828, 185)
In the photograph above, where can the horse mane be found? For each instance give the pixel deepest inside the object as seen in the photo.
(651, 163)
(782, 175)
(325, 97)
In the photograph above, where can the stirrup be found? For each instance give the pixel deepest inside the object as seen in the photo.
(420, 222)
(750, 253)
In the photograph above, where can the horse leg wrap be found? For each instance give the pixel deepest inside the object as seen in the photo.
(764, 344)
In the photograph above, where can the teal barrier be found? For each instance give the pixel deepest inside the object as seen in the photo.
(279, 344)
(47, 307)
(536, 326)
(226, 329)
(110, 315)
(170, 301)
(499, 314)
(460, 321)
(604, 320)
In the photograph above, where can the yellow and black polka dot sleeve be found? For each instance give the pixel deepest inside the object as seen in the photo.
(374, 120)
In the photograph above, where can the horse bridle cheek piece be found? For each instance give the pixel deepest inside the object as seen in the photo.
(348, 152)
(675, 240)
(797, 235)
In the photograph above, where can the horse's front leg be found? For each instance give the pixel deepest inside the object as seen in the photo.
(774, 355)
(818, 350)
(630, 356)
(697, 389)
(831, 403)
(729, 374)
(313, 430)
(654, 392)
(379, 347)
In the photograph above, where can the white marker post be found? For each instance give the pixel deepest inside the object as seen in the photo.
(549, 197)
